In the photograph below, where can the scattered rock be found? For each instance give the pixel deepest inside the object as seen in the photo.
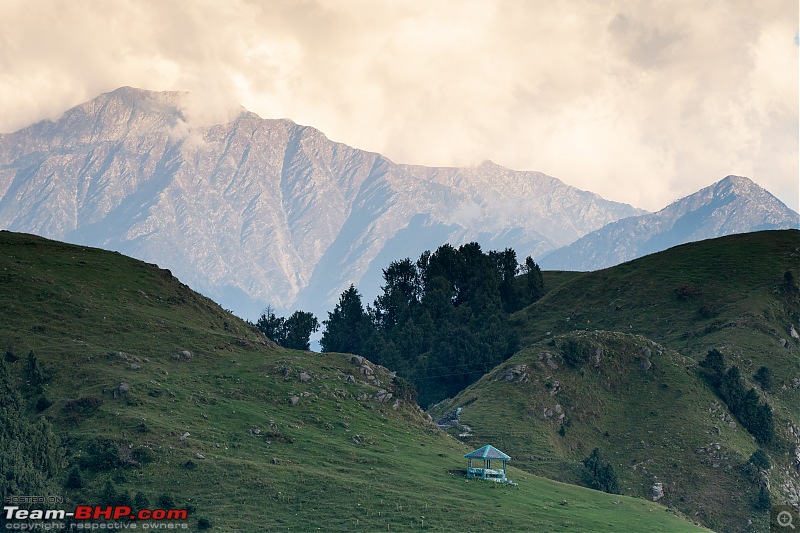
(554, 387)
(517, 373)
(383, 396)
(254, 431)
(646, 352)
(547, 412)
(357, 360)
(598, 354)
(558, 409)
(658, 491)
(122, 389)
(134, 366)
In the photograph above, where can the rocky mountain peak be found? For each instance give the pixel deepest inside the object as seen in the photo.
(254, 211)
(735, 204)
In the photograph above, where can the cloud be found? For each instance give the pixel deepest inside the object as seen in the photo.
(640, 102)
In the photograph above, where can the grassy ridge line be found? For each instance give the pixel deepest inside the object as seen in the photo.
(337, 460)
(732, 275)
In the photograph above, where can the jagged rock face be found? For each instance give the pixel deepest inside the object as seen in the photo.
(732, 205)
(265, 211)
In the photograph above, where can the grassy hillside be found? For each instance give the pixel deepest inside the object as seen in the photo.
(154, 389)
(664, 424)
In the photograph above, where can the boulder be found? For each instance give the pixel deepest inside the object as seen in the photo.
(294, 400)
(596, 357)
(657, 490)
(517, 373)
(305, 376)
(383, 396)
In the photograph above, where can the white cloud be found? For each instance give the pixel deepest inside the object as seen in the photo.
(640, 102)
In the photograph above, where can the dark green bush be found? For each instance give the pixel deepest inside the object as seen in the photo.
(74, 479)
(575, 353)
(101, 455)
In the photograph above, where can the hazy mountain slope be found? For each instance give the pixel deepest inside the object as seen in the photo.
(156, 389)
(728, 293)
(732, 205)
(259, 210)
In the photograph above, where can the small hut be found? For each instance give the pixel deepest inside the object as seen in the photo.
(487, 454)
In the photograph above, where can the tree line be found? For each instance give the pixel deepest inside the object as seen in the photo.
(746, 405)
(441, 322)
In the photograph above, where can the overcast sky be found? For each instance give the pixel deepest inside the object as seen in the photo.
(639, 101)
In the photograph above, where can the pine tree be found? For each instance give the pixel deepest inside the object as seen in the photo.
(272, 326)
(348, 326)
(297, 330)
(534, 282)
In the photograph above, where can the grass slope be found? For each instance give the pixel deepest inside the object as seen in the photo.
(287, 441)
(664, 423)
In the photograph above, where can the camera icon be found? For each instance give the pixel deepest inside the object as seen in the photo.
(783, 518)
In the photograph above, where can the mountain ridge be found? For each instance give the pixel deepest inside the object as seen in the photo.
(263, 210)
(732, 205)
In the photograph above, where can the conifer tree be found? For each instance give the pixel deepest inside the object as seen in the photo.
(347, 328)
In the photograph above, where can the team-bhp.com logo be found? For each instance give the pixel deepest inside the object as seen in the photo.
(87, 517)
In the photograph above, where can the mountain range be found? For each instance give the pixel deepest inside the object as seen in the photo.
(257, 211)
(730, 206)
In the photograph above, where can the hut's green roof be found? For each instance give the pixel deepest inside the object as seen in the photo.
(487, 452)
